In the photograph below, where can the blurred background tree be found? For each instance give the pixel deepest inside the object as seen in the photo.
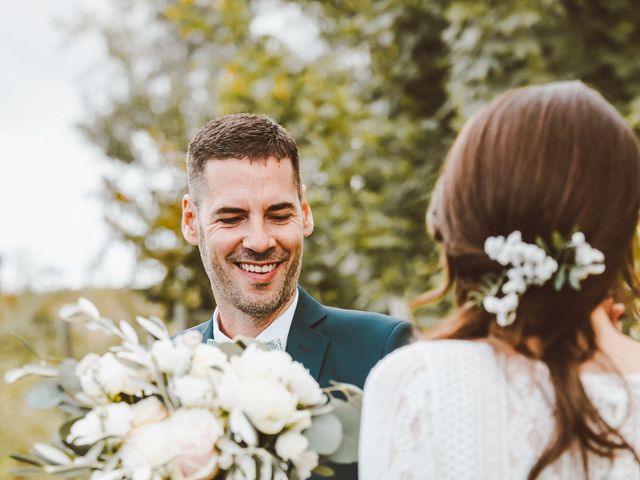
(373, 92)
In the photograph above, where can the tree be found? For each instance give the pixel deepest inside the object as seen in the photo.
(374, 112)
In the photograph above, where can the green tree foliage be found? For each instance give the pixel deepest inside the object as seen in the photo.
(374, 111)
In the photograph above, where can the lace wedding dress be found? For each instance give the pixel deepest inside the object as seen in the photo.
(452, 409)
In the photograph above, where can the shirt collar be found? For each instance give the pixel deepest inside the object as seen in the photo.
(279, 328)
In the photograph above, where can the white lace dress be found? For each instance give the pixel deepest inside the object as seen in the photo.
(451, 409)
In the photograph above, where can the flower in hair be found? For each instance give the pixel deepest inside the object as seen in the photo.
(532, 264)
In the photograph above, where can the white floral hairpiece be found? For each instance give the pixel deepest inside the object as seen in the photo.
(531, 264)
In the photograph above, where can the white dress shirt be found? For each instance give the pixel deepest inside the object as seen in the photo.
(278, 329)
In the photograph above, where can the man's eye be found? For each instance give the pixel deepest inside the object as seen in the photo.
(280, 218)
(230, 220)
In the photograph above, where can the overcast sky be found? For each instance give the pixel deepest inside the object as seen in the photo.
(50, 218)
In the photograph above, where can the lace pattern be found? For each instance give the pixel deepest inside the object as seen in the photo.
(453, 409)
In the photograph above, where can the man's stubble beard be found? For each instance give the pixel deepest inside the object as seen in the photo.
(257, 309)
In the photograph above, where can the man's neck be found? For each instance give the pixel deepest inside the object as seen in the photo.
(232, 322)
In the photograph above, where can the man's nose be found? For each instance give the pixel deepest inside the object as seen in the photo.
(258, 237)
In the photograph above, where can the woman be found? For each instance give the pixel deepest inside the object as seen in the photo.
(536, 211)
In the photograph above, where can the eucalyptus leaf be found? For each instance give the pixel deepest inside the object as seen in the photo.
(24, 472)
(574, 281)
(66, 471)
(39, 369)
(230, 349)
(68, 378)
(349, 416)
(44, 395)
(325, 434)
(26, 459)
(154, 326)
(129, 333)
(49, 454)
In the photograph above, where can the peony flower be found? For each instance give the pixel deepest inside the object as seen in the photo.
(149, 410)
(291, 445)
(305, 464)
(116, 378)
(193, 391)
(195, 431)
(87, 373)
(303, 385)
(205, 358)
(113, 420)
(148, 448)
(170, 358)
(188, 340)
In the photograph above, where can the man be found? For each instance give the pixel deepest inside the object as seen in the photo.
(247, 212)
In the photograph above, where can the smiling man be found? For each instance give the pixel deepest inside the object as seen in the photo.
(247, 212)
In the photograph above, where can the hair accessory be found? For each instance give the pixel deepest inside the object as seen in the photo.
(530, 264)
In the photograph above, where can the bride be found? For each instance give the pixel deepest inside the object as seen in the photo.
(529, 378)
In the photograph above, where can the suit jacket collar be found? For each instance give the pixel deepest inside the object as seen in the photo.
(304, 344)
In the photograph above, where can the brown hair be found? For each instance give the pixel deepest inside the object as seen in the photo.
(239, 136)
(540, 159)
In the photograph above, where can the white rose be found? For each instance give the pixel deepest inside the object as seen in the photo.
(291, 445)
(109, 420)
(147, 448)
(193, 391)
(206, 357)
(170, 358)
(149, 410)
(303, 385)
(195, 432)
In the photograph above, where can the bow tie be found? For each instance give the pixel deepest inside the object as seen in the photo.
(274, 344)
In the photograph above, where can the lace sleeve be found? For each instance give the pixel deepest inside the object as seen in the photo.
(395, 438)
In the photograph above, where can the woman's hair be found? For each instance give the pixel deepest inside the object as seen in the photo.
(543, 159)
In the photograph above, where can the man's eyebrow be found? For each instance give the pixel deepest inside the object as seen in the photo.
(281, 206)
(229, 210)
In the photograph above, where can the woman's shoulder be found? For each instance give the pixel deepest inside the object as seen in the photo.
(425, 356)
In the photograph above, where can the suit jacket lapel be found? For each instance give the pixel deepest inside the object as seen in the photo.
(304, 344)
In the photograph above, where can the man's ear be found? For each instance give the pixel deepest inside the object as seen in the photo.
(307, 215)
(190, 226)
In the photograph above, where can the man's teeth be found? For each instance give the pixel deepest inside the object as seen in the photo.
(247, 267)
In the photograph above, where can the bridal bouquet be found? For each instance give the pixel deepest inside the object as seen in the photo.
(176, 408)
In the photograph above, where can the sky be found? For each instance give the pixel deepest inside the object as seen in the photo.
(52, 233)
(51, 230)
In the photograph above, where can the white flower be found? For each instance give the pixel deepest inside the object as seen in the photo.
(171, 358)
(103, 421)
(291, 445)
(205, 358)
(193, 391)
(195, 432)
(188, 340)
(504, 308)
(87, 373)
(115, 378)
(147, 448)
(305, 464)
(303, 385)
(148, 410)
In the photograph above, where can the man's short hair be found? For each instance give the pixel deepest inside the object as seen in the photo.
(239, 136)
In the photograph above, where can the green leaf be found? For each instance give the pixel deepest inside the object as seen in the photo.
(231, 349)
(44, 395)
(542, 244)
(325, 434)
(558, 282)
(324, 471)
(349, 416)
(557, 241)
(24, 472)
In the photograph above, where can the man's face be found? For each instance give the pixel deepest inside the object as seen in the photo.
(249, 225)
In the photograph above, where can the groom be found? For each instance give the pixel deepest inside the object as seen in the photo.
(247, 212)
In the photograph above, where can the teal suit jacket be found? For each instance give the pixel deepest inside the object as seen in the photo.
(336, 344)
